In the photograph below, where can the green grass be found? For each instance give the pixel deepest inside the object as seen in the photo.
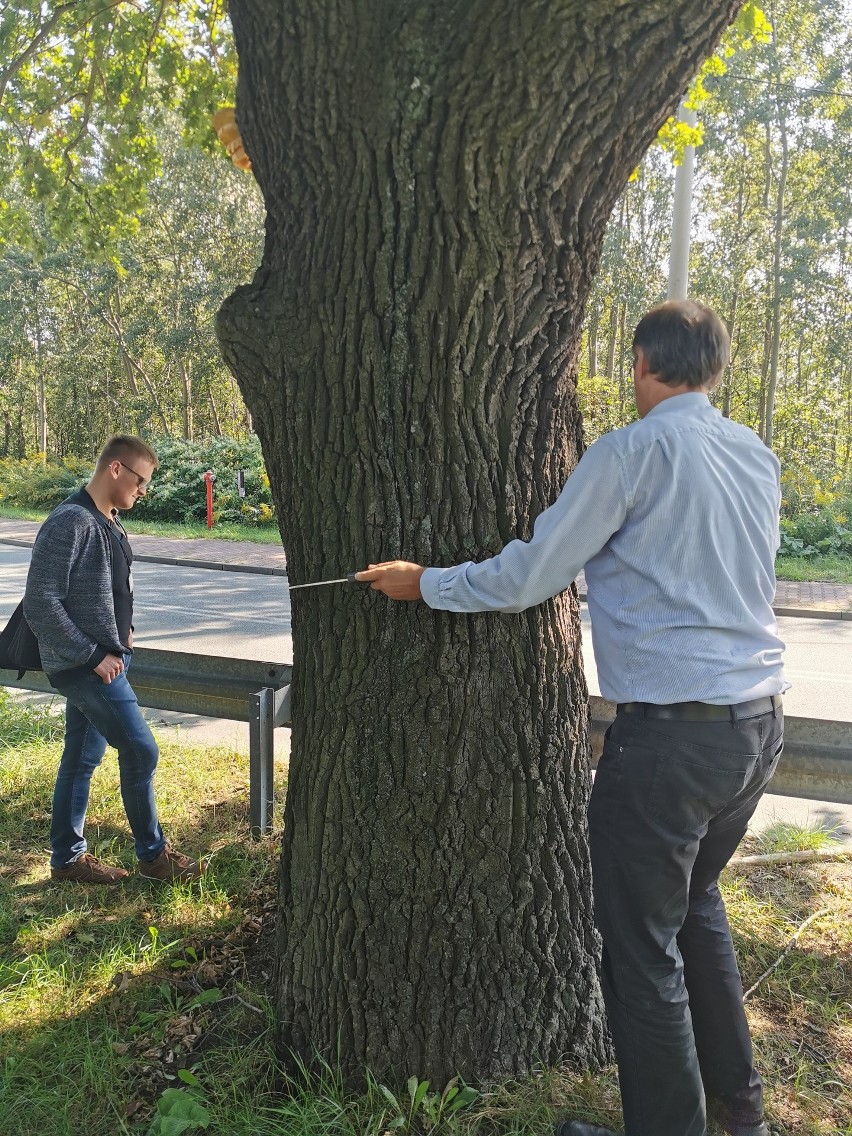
(783, 836)
(114, 1000)
(801, 1014)
(831, 569)
(223, 530)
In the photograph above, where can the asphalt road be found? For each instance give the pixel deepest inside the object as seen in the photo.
(248, 616)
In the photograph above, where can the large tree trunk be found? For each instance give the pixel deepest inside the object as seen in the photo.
(437, 179)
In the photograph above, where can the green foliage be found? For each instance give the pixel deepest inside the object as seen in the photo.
(751, 27)
(38, 484)
(816, 518)
(818, 534)
(179, 1111)
(424, 1112)
(128, 345)
(81, 93)
(781, 104)
(178, 492)
(604, 405)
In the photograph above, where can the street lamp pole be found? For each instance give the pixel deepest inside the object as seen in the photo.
(681, 217)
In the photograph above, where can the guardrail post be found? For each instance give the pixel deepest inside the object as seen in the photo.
(261, 755)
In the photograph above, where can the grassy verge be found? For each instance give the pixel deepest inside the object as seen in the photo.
(223, 530)
(139, 1008)
(831, 569)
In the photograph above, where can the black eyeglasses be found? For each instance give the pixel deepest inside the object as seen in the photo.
(143, 484)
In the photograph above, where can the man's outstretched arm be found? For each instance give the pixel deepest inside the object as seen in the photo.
(592, 506)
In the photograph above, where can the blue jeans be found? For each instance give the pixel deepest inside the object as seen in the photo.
(671, 802)
(98, 713)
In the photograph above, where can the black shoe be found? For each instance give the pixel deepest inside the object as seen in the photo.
(734, 1129)
(580, 1128)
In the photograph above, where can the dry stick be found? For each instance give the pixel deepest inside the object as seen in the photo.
(792, 857)
(786, 951)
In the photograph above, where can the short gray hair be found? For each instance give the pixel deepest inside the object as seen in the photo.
(685, 344)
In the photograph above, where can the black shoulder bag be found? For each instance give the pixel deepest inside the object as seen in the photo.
(18, 646)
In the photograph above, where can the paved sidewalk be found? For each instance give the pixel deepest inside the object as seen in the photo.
(815, 599)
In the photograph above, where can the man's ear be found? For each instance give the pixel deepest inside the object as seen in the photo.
(641, 365)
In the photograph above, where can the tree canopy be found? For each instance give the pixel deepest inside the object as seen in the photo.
(83, 87)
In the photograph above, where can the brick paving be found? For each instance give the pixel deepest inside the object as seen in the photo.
(816, 597)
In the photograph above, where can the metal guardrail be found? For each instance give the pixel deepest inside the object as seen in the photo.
(816, 763)
(215, 687)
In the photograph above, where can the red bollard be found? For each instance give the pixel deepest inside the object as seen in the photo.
(209, 478)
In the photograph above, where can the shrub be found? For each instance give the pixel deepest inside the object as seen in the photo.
(178, 492)
(38, 484)
(823, 534)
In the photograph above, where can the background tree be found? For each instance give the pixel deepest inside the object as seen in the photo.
(771, 257)
(127, 342)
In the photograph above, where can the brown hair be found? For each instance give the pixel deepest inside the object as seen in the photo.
(125, 446)
(684, 343)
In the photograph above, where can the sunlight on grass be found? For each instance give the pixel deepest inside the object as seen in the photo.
(112, 997)
(783, 836)
(830, 569)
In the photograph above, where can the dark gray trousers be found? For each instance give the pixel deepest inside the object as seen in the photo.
(671, 802)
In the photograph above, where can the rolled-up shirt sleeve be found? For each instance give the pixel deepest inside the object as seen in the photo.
(591, 507)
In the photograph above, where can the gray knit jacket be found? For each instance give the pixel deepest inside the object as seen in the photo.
(68, 599)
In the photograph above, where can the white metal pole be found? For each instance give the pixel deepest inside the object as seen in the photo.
(681, 217)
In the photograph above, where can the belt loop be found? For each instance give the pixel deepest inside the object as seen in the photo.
(774, 702)
(732, 711)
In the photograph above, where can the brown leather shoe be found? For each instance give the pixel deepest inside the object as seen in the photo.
(88, 869)
(171, 865)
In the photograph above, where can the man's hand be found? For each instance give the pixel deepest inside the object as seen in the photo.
(109, 667)
(398, 579)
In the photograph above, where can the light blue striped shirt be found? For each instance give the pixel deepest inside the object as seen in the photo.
(675, 518)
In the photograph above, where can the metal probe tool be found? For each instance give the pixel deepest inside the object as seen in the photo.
(349, 578)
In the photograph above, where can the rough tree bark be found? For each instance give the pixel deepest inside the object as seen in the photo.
(437, 179)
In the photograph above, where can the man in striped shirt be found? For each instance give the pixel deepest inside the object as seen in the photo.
(675, 518)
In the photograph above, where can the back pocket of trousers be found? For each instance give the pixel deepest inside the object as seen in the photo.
(687, 794)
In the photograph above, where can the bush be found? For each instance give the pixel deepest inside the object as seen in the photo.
(38, 484)
(178, 492)
(815, 513)
(826, 533)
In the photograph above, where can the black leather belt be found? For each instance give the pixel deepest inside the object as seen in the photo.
(703, 711)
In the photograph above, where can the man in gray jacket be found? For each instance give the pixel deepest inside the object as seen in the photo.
(79, 604)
